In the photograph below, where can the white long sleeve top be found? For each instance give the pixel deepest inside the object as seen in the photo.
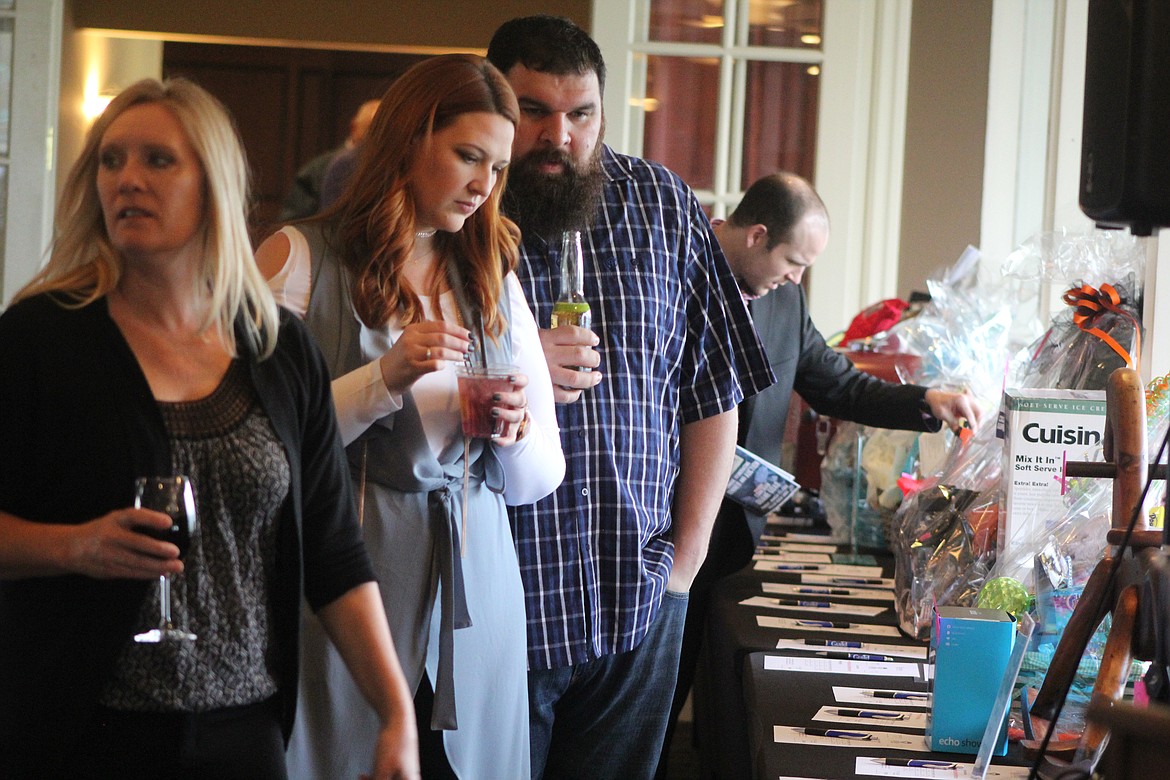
(534, 466)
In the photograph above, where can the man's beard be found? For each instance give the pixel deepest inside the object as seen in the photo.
(549, 204)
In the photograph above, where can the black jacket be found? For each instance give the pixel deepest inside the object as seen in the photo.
(77, 424)
(823, 377)
(828, 382)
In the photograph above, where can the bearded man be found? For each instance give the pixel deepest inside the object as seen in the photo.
(648, 432)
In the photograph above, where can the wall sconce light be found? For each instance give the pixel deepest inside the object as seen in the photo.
(93, 105)
(95, 100)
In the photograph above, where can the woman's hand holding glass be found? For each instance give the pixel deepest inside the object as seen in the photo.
(114, 546)
(512, 407)
(423, 348)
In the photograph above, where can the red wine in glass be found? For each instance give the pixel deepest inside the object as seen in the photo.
(175, 497)
(179, 534)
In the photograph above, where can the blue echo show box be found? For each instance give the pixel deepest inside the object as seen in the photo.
(971, 648)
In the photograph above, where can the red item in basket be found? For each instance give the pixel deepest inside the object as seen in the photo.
(875, 319)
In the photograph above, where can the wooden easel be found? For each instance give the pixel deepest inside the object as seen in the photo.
(1126, 458)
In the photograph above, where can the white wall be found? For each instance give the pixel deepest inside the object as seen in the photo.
(94, 63)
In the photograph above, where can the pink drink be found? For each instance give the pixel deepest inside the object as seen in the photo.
(476, 387)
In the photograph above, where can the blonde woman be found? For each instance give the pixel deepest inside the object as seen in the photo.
(150, 345)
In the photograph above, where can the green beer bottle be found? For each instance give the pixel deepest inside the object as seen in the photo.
(571, 308)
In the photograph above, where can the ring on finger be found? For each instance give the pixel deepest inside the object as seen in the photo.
(428, 353)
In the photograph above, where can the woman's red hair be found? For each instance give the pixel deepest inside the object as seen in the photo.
(375, 216)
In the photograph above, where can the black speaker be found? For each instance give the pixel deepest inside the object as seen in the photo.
(1125, 143)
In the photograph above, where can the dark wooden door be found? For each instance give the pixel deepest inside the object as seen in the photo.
(289, 104)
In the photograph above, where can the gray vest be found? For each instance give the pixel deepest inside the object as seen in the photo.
(395, 454)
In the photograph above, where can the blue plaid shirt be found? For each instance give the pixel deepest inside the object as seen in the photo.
(677, 345)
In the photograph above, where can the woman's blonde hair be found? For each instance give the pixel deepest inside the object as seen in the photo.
(83, 266)
(375, 216)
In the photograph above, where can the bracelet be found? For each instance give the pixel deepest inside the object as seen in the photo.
(522, 428)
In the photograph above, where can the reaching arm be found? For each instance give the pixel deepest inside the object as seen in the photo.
(357, 626)
(707, 447)
(954, 409)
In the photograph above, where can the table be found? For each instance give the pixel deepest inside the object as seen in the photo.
(738, 702)
(775, 698)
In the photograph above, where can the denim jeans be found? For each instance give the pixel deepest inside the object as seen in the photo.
(606, 718)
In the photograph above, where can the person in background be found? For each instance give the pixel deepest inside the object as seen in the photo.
(337, 175)
(648, 427)
(395, 281)
(776, 233)
(150, 345)
(306, 196)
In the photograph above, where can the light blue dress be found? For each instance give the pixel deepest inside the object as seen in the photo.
(458, 613)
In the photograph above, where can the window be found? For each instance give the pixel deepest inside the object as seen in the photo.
(30, 35)
(725, 91)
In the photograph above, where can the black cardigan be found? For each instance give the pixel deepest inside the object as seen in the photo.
(77, 424)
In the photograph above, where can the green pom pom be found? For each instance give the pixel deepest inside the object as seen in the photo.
(1005, 593)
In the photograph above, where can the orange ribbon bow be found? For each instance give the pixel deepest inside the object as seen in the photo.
(1089, 303)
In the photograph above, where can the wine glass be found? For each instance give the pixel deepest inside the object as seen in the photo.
(173, 496)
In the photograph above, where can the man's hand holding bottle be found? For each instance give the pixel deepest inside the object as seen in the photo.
(569, 349)
(569, 345)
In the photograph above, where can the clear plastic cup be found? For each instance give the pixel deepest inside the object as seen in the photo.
(477, 385)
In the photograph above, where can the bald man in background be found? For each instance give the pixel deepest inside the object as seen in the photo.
(775, 234)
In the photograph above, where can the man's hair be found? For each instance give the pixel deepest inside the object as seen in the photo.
(777, 202)
(546, 44)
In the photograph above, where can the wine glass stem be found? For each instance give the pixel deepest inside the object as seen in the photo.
(164, 601)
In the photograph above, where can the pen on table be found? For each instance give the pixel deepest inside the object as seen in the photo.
(832, 643)
(803, 603)
(921, 763)
(838, 733)
(823, 624)
(897, 695)
(855, 656)
(873, 714)
(823, 591)
(857, 580)
(798, 567)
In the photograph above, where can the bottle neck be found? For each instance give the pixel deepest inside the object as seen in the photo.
(572, 268)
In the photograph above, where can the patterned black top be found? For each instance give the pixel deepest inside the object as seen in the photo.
(226, 444)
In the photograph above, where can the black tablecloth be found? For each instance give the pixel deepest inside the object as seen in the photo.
(737, 702)
(793, 698)
(721, 718)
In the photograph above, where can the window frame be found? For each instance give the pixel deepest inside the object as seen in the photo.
(864, 63)
(36, 76)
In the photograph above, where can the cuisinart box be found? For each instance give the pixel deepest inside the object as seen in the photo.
(971, 648)
(1042, 429)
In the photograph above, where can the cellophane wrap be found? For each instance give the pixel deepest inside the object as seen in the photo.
(1079, 355)
(961, 337)
(977, 334)
(943, 535)
(860, 501)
